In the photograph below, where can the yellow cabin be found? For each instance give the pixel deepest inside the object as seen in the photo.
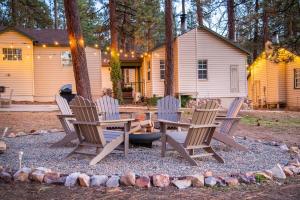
(274, 80)
(35, 63)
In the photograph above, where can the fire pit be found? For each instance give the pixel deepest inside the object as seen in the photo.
(143, 133)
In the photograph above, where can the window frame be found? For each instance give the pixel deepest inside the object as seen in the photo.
(234, 90)
(162, 71)
(149, 71)
(70, 59)
(296, 78)
(16, 53)
(204, 62)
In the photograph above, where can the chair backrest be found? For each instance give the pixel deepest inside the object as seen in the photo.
(108, 108)
(65, 109)
(168, 108)
(204, 115)
(233, 111)
(85, 112)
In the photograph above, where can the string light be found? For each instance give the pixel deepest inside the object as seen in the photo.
(96, 45)
(38, 57)
(28, 46)
(132, 52)
(105, 52)
(56, 43)
(107, 48)
(121, 50)
(126, 55)
(44, 46)
(50, 56)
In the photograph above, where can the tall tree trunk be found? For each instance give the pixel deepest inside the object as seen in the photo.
(169, 89)
(266, 36)
(77, 49)
(13, 13)
(183, 17)
(199, 12)
(115, 73)
(255, 38)
(55, 14)
(231, 19)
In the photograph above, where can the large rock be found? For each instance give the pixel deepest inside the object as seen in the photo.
(182, 184)
(22, 174)
(161, 180)
(51, 177)
(2, 146)
(208, 173)
(288, 171)
(231, 181)
(278, 172)
(143, 182)
(84, 180)
(197, 180)
(246, 178)
(6, 177)
(11, 135)
(284, 147)
(295, 170)
(128, 179)
(98, 180)
(71, 180)
(37, 175)
(210, 181)
(19, 134)
(295, 162)
(295, 150)
(113, 181)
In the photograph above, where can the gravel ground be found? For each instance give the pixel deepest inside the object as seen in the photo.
(142, 161)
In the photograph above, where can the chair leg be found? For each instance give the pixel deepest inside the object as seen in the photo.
(67, 139)
(163, 130)
(184, 153)
(126, 144)
(216, 156)
(228, 140)
(74, 151)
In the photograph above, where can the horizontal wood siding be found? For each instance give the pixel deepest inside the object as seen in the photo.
(17, 75)
(106, 81)
(50, 74)
(293, 95)
(201, 45)
(272, 72)
(158, 85)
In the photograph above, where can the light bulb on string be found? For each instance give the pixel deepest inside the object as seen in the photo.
(56, 43)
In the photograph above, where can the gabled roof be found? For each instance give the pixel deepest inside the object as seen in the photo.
(41, 36)
(215, 34)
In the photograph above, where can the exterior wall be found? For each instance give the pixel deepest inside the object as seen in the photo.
(148, 83)
(293, 95)
(199, 44)
(158, 84)
(282, 82)
(272, 74)
(17, 75)
(50, 74)
(106, 82)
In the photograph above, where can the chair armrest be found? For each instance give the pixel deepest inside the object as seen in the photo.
(61, 116)
(177, 124)
(102, 123)
(228, 118)
(205, 126)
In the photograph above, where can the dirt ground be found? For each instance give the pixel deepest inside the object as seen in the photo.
(264, 125)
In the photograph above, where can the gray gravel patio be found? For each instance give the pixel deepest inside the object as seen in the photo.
(143, 161)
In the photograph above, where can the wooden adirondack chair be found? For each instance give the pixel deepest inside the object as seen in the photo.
(89, 131)
(6, 102)
(168, 109)
(64, 118)
(199, 134)
(228, 125)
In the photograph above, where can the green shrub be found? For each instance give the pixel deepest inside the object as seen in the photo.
(185, 100)
(153, 100)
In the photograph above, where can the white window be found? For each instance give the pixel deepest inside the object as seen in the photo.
(162, 69)
(234, 78)
(149, 71)
(66, 58)
(202, 69)
(12, 53)
(297, 78)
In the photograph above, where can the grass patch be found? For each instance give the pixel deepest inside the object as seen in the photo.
(255, 121)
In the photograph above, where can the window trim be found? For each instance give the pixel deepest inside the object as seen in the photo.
(295, 87)
(198, 70)
(149, 71)
(61, 59)
(19, 55)
(238, 81)
(162, 63)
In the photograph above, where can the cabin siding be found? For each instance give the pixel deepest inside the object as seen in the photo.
(158, 85)
(201, 45)
(106, 81)
(17, 75)
(293, 95)
(50, 74)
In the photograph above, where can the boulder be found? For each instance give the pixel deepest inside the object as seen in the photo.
(143, 182)
(295, 150)
(287, 171)
(295, 170)
(37, 175)
(284, 147)
(113, 181)
(6, 177)
(84, 180)
(278, 172)
(22, 174)
(232, 181)
(71, 180)
(264, 175)
(197, 180)
(182, 184)
(2, 146)
(98, 180)
(294, 162)
(128, 179)
(246, 178)
(43, 169)
(161, 180)
(11, 135)
(210, 181)
(19, 134)
(208, 173)
(51, 177)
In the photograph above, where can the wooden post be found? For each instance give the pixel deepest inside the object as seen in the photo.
(77, 49)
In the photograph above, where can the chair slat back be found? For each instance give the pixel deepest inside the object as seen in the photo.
(168, 108)
(204, 115)
(65, 109)
(108, 107)
(86, 111)
(233, 111)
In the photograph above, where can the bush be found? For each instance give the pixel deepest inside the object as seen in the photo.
(185, 100)
(153, 100)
